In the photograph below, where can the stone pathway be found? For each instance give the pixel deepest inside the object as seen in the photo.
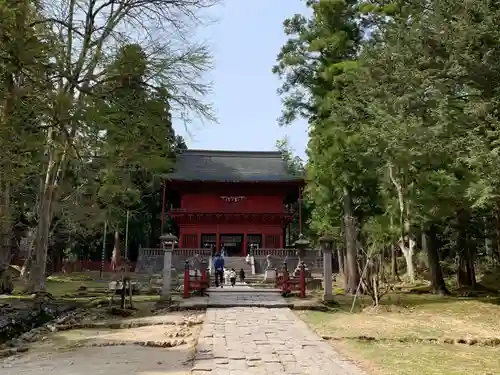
(250, 340)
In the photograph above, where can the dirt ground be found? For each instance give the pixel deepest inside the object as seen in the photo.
(86, 351)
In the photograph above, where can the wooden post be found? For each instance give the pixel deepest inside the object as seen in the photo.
(163, 209)
(217, 240)
(126, 236)
(103, 253)
(300, 209)
(130, 292)
(186, 279)
(124, 288)
(244, 245)
(203, 277)
(302, 281)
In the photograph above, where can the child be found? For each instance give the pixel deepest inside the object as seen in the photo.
(242, 276)
(232, 277)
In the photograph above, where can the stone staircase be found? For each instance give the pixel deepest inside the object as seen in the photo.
(238, 263)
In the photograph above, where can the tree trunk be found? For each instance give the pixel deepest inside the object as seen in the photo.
(29, 254)
(115, 257)
(394, 263)
(405, 242)
(436, 275)
(466, 275)
(344, 266)
(6, 171)
(36, 280)
(488, 242)
(465, 268)
(351, 264)
(497, 231)
(394, 257)
(340, 257)
(408, 249)
(5, 222)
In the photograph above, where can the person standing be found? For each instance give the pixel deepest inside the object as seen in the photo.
(242, 275)
(219, 270)
(232, 277)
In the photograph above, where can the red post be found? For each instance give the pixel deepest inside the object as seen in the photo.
(163, 208)
(186, 280)
(245, 245)
(203, 278)
(302, 281)
(203, 275)
(284, 286)
(300, 209)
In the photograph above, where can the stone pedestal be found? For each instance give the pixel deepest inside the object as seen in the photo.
(167, 274)
(168, 243)
(326, 248)
(270, 275)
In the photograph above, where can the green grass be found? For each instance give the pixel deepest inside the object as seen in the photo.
(67, 287)
(412, 317)
(390, 358)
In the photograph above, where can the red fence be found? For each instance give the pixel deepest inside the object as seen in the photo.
(78, 266)
(88, 265)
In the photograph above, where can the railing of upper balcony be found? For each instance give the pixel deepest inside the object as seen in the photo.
(285, 210)
(152, 252)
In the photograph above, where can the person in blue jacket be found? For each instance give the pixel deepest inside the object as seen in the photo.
(219, 270)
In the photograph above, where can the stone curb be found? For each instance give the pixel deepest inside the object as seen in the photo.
(204, 306)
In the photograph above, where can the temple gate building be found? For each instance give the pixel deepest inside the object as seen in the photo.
(232, 199)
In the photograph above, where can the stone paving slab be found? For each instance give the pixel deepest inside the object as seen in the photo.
(243, 289)
(255, 299)
(264, 341)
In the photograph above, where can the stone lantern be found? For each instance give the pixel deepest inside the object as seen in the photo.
(167, 243)
(302, 245)
(326, 245)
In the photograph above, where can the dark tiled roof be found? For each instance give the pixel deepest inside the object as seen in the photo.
(243, 166)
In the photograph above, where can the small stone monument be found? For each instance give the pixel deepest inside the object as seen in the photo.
(270, 273)
(167, 243)
(326, 244)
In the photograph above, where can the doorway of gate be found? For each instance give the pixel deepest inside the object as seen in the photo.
(232, 244)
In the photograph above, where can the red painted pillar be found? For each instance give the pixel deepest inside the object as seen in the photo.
(217, 240)
(186, 280)
(203, 278)
(245, 246)
(282, 245)
(284, 286)
(181, 238)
